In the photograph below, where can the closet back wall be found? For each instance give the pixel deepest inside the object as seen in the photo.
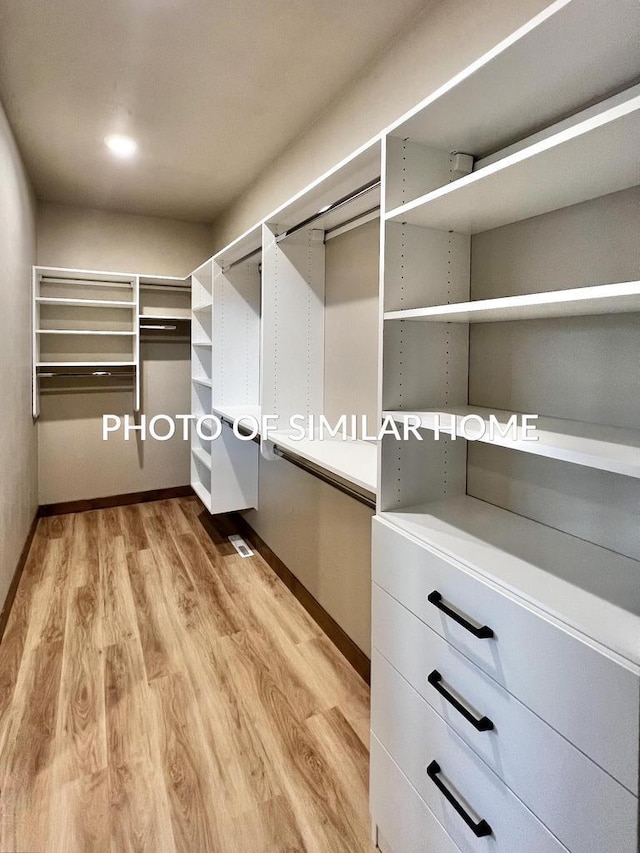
(74, 462)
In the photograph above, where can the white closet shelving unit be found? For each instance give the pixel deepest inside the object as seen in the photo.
(88, 326)
(506, 572)
(85, 330)
(201, 372)
(293, 381)
(259, 346)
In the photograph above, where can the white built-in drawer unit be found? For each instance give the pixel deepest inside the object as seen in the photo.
(473, 804)
(582, 805)
(588, 696)
(406, 824)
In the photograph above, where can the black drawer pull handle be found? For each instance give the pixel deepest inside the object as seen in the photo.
(484, 724)
(480, 829)
(484, 632)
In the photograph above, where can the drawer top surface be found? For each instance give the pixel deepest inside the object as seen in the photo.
(585, 587)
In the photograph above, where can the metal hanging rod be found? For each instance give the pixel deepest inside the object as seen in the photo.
(182, 288)
(353, 222)
(241, 260)
(331, 208)
(162, 328)
(325, 477)
(242, 430)
(51, 279)
(95, 374)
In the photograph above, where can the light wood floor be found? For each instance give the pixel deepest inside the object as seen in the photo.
(160, 693)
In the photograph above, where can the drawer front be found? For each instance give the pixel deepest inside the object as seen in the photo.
(415, 736)
(405, 824)
(589, 698)
(580, 803)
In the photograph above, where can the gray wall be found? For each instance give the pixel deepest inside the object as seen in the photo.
(74, 462)
(18, 456)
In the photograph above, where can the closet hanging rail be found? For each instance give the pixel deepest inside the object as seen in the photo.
(165, 327)
(325, 477)
(53, 279)
(95, 374)
(331, 208)
(241, 260)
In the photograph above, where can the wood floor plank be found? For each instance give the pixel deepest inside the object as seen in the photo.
(26, 781)
(79, 816)
(185, 767)
(156, 637)
(160, 693)
(81, 744)
(119, 610)
(138, 804)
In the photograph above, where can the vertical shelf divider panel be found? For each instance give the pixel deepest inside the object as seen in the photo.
(201, 372)
(292, 377)
(136, 358)
(235, 374)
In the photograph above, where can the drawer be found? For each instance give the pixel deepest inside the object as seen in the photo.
(461, 790)
(405, 824)
(590, 698)
(581, 804)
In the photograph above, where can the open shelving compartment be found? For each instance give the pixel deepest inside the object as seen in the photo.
(201, 369)
(85, 332)
(294, 367)
(513, 289)
(165, 308)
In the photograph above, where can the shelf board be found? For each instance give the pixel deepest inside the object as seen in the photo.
(86, 364)
(203, 493)
(198, 381)
(589, 158)
(585, 586)
(577, 302)
(204, 307)
(353, 461)
(107, 333)
(538, 77)
(202, 456)
(83, 303)
(606, 448)
(201, 344)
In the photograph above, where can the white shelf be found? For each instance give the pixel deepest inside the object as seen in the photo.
(205, 306)
(353, 461)
(203, 493)
(531, 78)
(85, 364)
(591, 589)
(198, 381)
(580, 301)
(109, 334)
(202, 456)
(588, 158)
(92, 303)
(201, 344)
(606, 448)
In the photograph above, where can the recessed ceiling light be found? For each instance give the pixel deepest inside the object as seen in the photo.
(121, 146)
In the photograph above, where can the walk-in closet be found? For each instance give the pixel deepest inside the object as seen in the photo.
(320, 432)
